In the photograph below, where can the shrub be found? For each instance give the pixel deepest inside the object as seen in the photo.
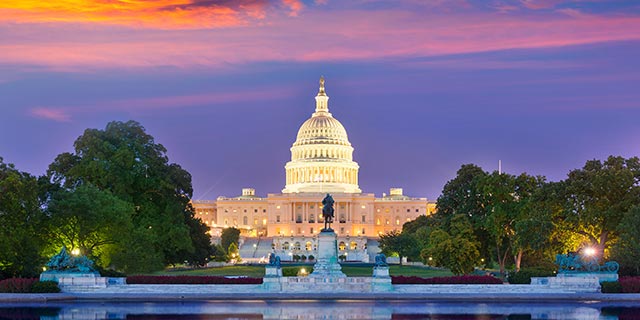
(45, 287)
(630, 284)
(311, 257)
(610, 287)
(294, 271)
(111, 273)
(191, 280)
(467, 279)
(524, 275)
(17, 285)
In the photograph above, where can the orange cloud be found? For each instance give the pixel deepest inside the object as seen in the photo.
(161, 14)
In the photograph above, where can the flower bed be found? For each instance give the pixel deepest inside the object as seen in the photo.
(28, 285)
(446, 280)
(630, 284)
(191, 280)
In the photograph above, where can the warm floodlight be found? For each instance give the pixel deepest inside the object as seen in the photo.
(589, 251)
(75, 252)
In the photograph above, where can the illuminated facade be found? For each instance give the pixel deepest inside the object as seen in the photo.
(321, 163)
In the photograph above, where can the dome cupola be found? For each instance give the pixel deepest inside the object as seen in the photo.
(321, 156)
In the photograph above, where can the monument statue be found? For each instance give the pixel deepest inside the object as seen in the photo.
(576, 262)
(64, 262)
(327, 212)
(381, 260)
(274, 260)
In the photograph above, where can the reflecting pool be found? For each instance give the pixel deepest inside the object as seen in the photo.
(317, 309)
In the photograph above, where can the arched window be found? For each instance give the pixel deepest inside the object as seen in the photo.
(245, 220)
(342, 246)
(308, 246)
(312, 218)
(296, 246)
(397, 220)
(285, 246)
(354, 245)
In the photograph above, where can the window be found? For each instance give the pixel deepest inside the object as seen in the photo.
(341, 230)
(226, 210)
(296, 246)
(353, 245)
(386, 210)
(311, 207)
(312, 218)
(264, 210)
(308, 246)
(378, 221)
(342, 246)
(285, 246)
(245, 220)
(342, 218)
(277, 218)
(408, 210)
(264, 221)
(255, 222)
(364, 218)
(397, 221)
(235, 222)
(226, 222)
(298, 218)
(245, 210)
(387, 221)
(417, 210)
(363, 231)
(311, 230)
(255, 210)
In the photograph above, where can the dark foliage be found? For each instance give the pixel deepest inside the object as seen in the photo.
(45, 287)
(467, 279)
(524, 275)
(17, 285)
(611, 287)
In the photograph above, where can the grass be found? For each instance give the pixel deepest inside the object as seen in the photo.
(356, 270)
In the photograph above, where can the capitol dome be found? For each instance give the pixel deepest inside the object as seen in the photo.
(321, 156)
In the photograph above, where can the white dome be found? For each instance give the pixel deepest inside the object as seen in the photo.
(322, 129)
(321, 156)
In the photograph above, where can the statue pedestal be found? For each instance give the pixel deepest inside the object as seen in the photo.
(272, 271)
(327, 261)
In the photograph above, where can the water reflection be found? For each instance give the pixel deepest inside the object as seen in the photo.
(332, 309)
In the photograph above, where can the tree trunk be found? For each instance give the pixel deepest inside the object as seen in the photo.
(518, 259)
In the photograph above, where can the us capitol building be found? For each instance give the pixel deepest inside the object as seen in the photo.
(288, 222)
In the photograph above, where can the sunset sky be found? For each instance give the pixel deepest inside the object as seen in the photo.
(422, 87)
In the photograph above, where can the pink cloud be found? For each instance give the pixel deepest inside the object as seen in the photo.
(58, 115)
(154, 104)
(321, 35)
(294, 5)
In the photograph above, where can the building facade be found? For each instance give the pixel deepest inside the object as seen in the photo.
(321, 162)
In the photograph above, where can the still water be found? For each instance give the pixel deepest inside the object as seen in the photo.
(314, 309)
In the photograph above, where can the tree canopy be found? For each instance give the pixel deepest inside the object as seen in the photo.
(126, 161)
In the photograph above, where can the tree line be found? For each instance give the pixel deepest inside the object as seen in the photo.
(116, 198)
(493, 219)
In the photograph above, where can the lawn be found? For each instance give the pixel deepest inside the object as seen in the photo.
(355, 270)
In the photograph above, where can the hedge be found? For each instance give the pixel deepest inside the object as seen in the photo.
(524, 275)
(467, 279)
(191, 280)
(28, 285)
(630, 284)
(610, 287)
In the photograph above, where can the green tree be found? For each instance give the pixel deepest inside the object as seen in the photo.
(22, 223)
(597, 197)
(505, 197)
(233, 252)
(229, 236)
(91, 220)
(396, 242)
(627, 250)
(126, 161)
(456, 250)
(461, 195)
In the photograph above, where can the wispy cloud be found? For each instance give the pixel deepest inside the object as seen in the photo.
(319, 33)
(55, 114)
(155, 104)
(158, 14)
